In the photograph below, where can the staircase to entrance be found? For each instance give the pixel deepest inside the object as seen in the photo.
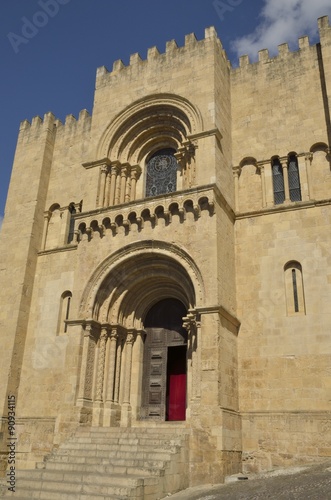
(110, 464)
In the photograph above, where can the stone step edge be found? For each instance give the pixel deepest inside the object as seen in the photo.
(78, 477)
(149, 471)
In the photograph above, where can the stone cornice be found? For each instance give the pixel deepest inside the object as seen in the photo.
(97, 163)
(224, 313)
(65, 248)
(206, 133)
(289, 207)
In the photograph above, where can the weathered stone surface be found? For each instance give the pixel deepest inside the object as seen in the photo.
(85, 255)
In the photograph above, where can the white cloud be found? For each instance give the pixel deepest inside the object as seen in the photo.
(282, 21)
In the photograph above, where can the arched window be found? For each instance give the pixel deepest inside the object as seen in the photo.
(293, 178)
(295, 300)
(64, 312)
(278, 181)
(161, 173)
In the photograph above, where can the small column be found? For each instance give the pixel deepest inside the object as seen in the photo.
(268, 182)
(264, 198)
(286, 184)
(236, 174)
(128, 189)
(308, 159)
(135, 173)
(102, 186)
(108, 187)
(118, 369)
(47, 216)
(113, 177)
(101, 363)
(86, 372)
(128, 366)
(126, 407)
(124, 172)
(111, 365)
(117, 189)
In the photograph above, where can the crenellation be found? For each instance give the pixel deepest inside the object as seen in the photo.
(211, 32)
(70, 120)
(58, 124)
(303, 42)
(323, 23)
(263, 55)
(36, 122)
(118, 65)
(49, 120)
(190, 40)
(244, 61)
(102, 71)
(283, 49)
(171, 46)
(135, 59)
(84, 115)
(153, 53)
(25, 125)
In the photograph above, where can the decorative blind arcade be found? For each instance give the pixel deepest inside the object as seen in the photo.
(161, 174)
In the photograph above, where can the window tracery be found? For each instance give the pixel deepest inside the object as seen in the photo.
(161, 173)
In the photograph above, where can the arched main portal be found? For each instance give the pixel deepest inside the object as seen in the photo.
(165, 362)
(140, 295)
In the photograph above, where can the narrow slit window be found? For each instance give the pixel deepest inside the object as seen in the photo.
(294, 289)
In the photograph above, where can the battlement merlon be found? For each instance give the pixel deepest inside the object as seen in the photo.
(283, 49)
(323, 23)
(153, 54)
(38, 125)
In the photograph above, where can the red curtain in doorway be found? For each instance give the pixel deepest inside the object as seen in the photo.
(177, 397)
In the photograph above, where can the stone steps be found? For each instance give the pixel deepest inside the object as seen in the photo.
(112, 464)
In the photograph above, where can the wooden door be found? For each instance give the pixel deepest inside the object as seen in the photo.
(163, 329)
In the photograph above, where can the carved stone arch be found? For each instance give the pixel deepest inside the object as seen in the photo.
(319, 146)
(246, 161)
(320, 167)
(118, 266)
(176, 108)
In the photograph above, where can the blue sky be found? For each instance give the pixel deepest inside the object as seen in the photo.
(50, 49)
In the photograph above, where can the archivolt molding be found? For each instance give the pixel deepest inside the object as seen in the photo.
(159, 117)
(138, 274)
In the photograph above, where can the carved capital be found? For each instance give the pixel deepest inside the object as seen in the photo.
(135, 172)
(131, 337)
(186, 153)
(236, 171)
(104, 169)
(309, 157)
(47, 215)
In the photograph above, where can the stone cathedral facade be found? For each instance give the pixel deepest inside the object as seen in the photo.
(166, 261)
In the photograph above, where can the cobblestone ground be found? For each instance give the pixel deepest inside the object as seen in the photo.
(311, 483)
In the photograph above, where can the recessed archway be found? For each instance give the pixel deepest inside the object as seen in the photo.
(119, 304)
